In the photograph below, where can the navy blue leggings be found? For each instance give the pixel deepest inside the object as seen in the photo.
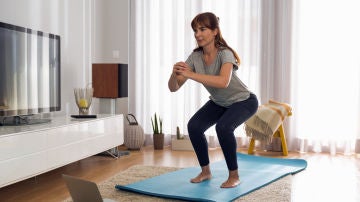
(227, 119)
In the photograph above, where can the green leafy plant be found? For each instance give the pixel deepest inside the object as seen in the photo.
(156, 124)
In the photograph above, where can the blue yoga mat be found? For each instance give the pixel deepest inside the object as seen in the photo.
(255, 172)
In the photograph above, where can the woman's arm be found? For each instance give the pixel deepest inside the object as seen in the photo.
(176, 80)
(217, 81)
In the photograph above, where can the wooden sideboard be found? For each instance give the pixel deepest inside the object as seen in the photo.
(30, 150)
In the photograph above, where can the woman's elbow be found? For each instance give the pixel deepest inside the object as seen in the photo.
(173, 88)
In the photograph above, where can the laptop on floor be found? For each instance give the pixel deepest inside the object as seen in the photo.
(83, 190)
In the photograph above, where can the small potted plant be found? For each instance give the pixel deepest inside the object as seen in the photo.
(178, 134)
(158, 135)
(180, 142)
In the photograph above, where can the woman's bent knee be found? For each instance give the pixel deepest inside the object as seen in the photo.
(195, 127)
(223, 129)
(192, 127)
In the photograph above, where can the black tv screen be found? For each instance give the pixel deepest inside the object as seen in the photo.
(29, 71)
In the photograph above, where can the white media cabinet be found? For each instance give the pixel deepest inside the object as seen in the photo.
(30, 150)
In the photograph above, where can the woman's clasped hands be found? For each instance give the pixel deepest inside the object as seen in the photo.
(181, 68)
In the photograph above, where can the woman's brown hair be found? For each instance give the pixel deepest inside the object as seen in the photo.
(210, 21)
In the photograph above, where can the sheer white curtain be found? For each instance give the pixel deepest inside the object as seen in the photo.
(275, 55)
(326, 76)
(160, 35)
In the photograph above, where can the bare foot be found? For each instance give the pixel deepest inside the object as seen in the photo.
(232, 181)
(204, 175)
(201, 177)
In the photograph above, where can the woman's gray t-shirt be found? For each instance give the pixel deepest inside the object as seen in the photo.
(235, 92)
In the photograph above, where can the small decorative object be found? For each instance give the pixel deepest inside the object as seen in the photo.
(158, 136)
(180, 142)
(134, 134)
(178, 134)
(83, 98)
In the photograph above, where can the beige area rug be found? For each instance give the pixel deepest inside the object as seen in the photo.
(279, 191)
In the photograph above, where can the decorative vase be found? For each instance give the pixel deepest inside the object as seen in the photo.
(158, 141)
(83, 98)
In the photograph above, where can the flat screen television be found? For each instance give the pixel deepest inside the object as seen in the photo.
(29, 72)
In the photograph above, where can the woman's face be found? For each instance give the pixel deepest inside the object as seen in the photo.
(204, 36)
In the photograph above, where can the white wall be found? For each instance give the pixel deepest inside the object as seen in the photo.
(90, 32)
(110, 31)
(110, 44)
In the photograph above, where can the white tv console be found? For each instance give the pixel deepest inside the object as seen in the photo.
(30, 150)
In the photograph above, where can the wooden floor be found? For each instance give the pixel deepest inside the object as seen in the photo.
(327, 178)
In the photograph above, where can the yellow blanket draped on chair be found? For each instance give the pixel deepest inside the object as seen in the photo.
(264, 123)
